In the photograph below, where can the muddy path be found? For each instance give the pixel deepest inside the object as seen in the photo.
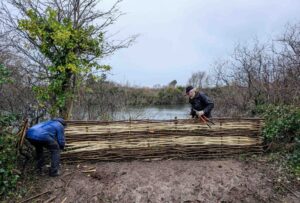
(168, 181)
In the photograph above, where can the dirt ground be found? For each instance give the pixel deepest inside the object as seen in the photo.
(227, 180)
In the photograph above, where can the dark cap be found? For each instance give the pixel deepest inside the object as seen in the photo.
(188, 88)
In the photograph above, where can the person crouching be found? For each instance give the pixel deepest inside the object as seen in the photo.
(50, 135)
(201, 104)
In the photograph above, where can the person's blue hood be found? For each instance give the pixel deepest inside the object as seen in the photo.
(62, 121)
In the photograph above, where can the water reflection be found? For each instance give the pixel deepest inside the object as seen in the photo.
(153, 112)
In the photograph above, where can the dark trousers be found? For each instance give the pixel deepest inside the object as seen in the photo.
(54, 149)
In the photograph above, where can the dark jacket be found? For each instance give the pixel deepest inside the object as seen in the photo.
(201, 102)
(47, 131)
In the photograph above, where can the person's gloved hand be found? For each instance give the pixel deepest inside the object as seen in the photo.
(199, 113)
(193, 114)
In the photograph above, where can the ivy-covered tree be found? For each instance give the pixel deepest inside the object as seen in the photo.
(65, 41)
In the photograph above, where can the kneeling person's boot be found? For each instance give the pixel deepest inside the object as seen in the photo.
(54, 173)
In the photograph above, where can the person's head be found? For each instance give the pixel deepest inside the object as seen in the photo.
(62, 121)
(190, 91)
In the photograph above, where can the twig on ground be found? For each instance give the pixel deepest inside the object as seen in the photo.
(289, 190)
(69, 181)
(38, 195)
(51, 199)
(91, 170)
(64, 200)
(65, 176)
(68, 174)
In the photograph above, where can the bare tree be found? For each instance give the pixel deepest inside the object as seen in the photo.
(198, 79)
(287, 64)
(220, 73)
(259, 74)
(81, 12)
(16, 95)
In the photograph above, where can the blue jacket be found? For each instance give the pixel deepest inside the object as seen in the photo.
(47, 131)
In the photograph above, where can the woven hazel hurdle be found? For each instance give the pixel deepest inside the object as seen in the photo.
(161, 139)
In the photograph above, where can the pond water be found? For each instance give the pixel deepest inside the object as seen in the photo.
(162, 112)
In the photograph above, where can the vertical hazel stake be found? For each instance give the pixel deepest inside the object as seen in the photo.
(147, 133)
(22, 134)
(109, 134)
(176, 122)
(239, 137)
(86, 129)
(221, 148)
(258, 125)
(129, 132)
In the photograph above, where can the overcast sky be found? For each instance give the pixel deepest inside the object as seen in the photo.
(179, 37)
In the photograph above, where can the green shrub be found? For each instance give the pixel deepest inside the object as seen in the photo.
(5, 121)
(8, 156)
(294, 160)
(282, 125)
(8, 178)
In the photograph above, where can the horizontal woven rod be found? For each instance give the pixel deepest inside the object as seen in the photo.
(144, 138)
(120, 159)
(90, 127)
(90, 130)
(115, 129)
(178, 122)
(157, 134)
(147, 142)
(91, 145)
(163, 126)
(171, 120)
(118, 156)
(153, 131)
(218, 123)
(163, 148)
(162, 153)
(224, 131)
(174, 140)
(171, 147)
(168, 151)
